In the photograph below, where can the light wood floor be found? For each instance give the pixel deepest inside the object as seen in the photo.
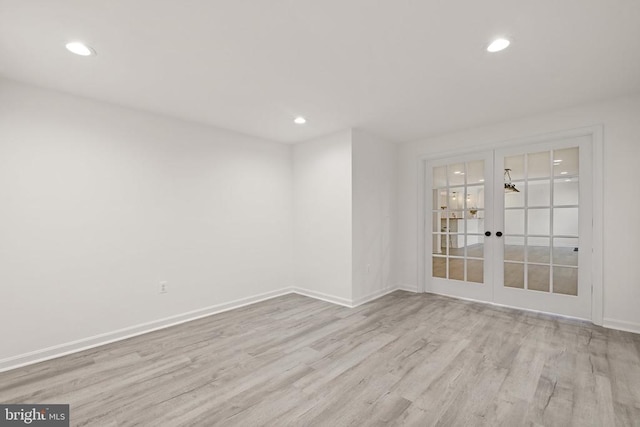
(565, 270)
(404, 359)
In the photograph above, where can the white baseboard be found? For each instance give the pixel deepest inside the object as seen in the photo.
(64, 349)
(495, 304)
(322, 296)
(375, 295)
(407, 288)
(622, 325)
(344, 301)
(132, 331)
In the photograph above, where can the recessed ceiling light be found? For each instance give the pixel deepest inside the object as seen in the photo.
(299, 120)
(498, 44)
(567, 180)
(564, 173)
(481, 180)
(457, 172)
(80, 49)
(557, 161)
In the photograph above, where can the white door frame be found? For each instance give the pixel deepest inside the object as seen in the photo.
(597, 140)
(461, 289)
(581, 304)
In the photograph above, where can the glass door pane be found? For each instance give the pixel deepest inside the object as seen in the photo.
(565, 221)
(514, 221)
(541, 217)
(457, 221)
(513, 226)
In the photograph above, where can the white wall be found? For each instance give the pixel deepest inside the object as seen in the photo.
(322, 216)
(621, 120)
(540, 192)
(374, 185)
(100, 203)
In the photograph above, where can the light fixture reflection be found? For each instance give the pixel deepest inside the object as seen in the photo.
(509, 187)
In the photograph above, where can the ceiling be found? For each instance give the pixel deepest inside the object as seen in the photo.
(400, 69)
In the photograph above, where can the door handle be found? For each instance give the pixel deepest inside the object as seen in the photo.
(499, 233)
(487, 233)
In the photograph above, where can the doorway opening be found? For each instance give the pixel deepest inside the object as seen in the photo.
(514, 226)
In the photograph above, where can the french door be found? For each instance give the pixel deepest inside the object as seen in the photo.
(513, 226)
(461, 212)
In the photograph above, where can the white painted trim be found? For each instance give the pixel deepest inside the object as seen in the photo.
(622, 325)
(421, 249)
(373, 296)
(597, 135)
(132, 331)
(495, 304)
(408, 288)
(597, 238)
(60, 350)
(64, 349)
(323, 297)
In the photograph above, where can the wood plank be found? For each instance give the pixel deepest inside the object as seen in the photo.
(404, 359)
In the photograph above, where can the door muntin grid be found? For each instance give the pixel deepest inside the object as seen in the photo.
(458, 221)
(541, 239)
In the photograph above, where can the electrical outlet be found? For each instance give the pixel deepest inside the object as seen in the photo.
(164, 287)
